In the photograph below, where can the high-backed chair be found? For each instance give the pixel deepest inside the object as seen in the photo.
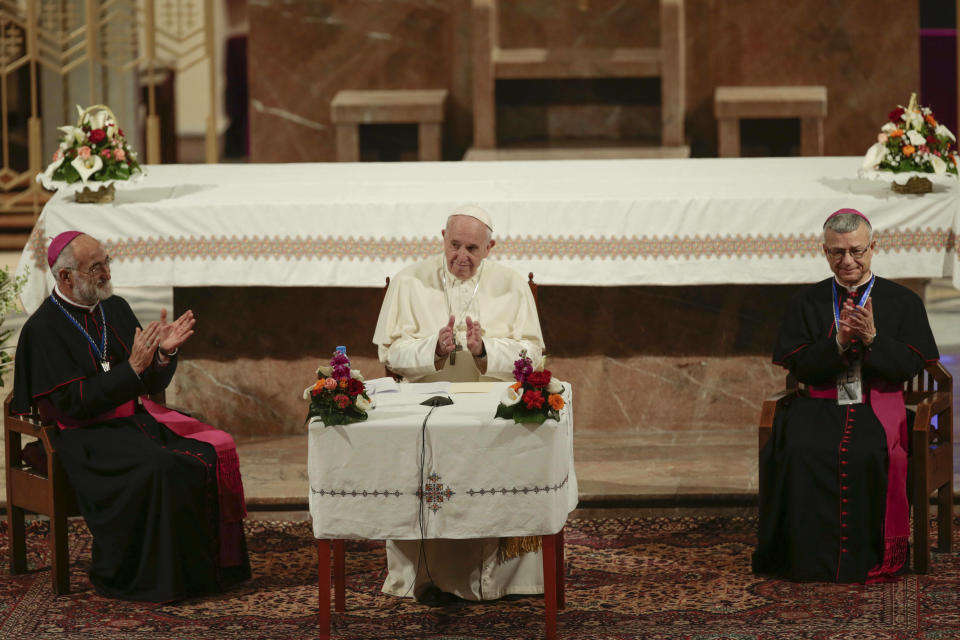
(40, 486)
(929, 398)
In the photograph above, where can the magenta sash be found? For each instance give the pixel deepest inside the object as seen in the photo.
(47, 412)
(233, 507)
(886, 400)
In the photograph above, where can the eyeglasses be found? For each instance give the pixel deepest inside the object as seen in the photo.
(855, 252)
(97, 268)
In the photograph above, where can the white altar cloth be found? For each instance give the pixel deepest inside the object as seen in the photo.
(596, 222)
(482, 476)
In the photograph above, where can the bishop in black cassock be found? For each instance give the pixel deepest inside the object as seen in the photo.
(833, 493)
(164, 505)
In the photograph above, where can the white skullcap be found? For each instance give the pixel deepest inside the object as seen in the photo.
(474, 211)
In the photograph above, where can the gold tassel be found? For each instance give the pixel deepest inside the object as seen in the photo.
(515, 547)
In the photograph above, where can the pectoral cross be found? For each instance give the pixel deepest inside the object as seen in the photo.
(453, 354)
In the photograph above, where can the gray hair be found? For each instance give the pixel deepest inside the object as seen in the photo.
(845, 223)
(66, 260)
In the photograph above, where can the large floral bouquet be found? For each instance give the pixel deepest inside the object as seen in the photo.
(338, 396)
(912, 141)
(534, 397)
(95, 151)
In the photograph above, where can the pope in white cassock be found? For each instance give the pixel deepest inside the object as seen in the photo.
(461, 318)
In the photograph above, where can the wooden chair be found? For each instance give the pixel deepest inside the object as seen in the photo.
(45, 491)
(536, 302)
(930, 397)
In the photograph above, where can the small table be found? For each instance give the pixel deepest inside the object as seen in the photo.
(515, 480)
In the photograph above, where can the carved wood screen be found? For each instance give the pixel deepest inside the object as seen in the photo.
(55, 54)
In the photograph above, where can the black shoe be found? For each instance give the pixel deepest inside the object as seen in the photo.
(513, 597)
(432, 596)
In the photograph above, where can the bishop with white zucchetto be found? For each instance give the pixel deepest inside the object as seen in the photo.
(459, 317)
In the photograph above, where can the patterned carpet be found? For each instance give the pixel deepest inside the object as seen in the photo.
(651, 578)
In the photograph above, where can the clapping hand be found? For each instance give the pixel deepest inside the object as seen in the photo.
(145, 342)
(474, 337)
(173, 334)
(446, 344)
(857, 321)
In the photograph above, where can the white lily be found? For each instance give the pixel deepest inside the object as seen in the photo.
(97, 120)
(306, 392)
(874, 155)
(53, 166)
(511, 396)
(541, 364)
(888, 127)
(916, 138)
(914, 119)
(943, 131)
(554, 386)
(72, 134)
(362, 403)
(324, 370)
(356, 375)
(939, 166)
(88, 167)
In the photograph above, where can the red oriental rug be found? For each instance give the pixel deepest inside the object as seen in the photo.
(652, 578)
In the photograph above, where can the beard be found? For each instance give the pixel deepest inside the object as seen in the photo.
(91, 292)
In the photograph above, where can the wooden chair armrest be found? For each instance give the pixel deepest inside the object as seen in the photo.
(932, 404)
(769, 411)
(770, 405)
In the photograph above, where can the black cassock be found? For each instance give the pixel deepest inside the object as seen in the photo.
(148, 495)
(833, 503)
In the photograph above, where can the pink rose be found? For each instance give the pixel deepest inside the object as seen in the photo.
(119, 154)
(57, 155)
(330, 384)
(105, 153)
(84, 152)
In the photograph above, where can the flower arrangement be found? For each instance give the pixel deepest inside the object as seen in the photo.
(534, 397)
(912, 142)
(95, 152)
(338, 396)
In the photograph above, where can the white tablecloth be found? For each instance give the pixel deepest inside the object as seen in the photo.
(616, 222)
(481, 476)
